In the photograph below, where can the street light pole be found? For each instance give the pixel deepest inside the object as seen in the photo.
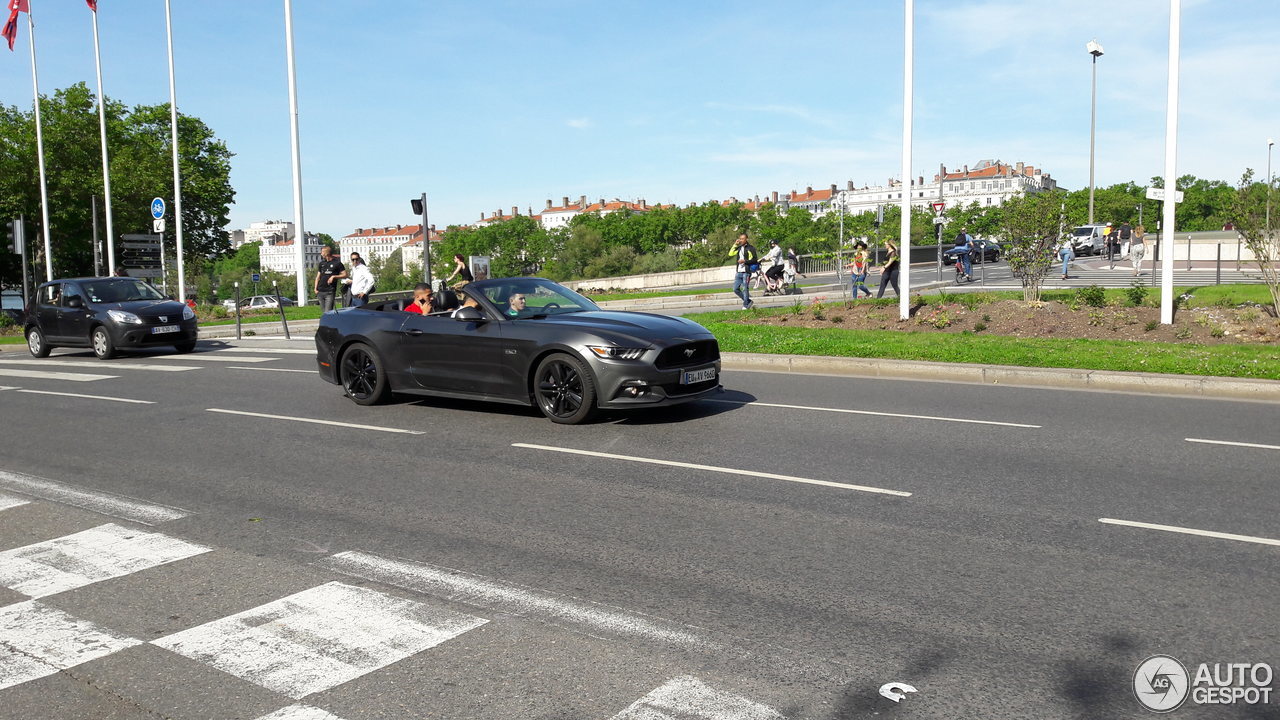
(1266, 227)
(1096, 51)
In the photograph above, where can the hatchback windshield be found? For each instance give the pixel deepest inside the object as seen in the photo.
(535, 297)
(120, 290)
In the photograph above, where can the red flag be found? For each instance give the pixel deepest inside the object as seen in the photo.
(10, 31)
(93, 5)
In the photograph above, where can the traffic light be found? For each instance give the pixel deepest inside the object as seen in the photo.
(879, 215)
(14, 236)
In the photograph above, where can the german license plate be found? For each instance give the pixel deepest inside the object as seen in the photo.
(692, 377)
(165, 329)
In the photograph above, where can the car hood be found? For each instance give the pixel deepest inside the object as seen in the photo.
(146, 308)
(641, 326)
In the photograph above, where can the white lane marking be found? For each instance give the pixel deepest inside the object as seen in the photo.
(496, 596)
(1234, 444)
(9, 387)
(715, 468)
(309, 372)
(300, 712)
(319, 638)
(90, 556)
(37, 640)
(687, 698)
(1191, 531)
(880, 414)
(90, 397)
(272, 351)
(100, 365)
(138, 511)
(213, 357)
(51, 375)
(317, 422)
(11, 501)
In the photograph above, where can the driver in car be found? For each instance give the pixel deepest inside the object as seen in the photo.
(516, 305)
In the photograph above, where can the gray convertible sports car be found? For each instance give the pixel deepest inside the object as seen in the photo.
(519, 340)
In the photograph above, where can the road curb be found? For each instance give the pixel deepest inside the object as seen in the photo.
(1065, 378)
(297, 327)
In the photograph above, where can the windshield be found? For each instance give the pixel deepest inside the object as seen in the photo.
(535, 297)
(1082, 232)
(120, 290)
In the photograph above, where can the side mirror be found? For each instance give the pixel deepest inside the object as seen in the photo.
(469, 314)
(74, 301)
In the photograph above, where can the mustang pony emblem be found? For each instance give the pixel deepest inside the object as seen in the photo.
(690, 352)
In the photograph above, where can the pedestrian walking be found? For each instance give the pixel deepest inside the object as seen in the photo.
(791, 269)
(1067, 253)
(748, 263)
(328, 274)
(889, 274)
(858, 270)
(1138, 249)
(1125, 234)
(361, 283)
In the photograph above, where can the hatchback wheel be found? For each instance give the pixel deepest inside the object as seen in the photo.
(363, 376)
(102, 345)
(564, 389)
(36, 344)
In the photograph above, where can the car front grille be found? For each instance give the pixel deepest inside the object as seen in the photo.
(700, 352)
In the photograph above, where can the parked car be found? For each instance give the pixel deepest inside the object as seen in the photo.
(988, 249)
(264, 302)
(1087, 239)
(106, 314)
(527, 341)
(229, 304)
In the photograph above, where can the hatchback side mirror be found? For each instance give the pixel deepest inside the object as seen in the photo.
(469, 314)
(74, 301)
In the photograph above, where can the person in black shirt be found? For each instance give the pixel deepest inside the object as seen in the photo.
(460, 268)
(328, 274)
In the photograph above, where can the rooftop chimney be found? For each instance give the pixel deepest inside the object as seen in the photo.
(966, 171)
(644, 205)
(1019, 167)
(514, 211)
(808, 190)
(582, 202)
(566, 201)
(920, 180)
(548, 203)
(849, 185)
(833, 188)
(601, 203)
(773, 197)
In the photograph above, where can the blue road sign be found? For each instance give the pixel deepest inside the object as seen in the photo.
(257, 277)
(157, 208)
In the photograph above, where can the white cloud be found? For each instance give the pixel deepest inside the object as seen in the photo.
(579, 123)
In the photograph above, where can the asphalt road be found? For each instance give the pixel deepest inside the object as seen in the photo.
(471, 566)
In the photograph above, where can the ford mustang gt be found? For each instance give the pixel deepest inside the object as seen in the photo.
(522, 340)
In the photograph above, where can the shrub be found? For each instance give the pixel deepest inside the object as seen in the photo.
(1218, 331)
(818, 315)
(1202, 320)
(1249, 315)
(1093, 296)
(1183, 333)
(1151, 325)
(979, 327)
(1097, 318)
(986, 318)
(837, 318)
(1137, 293)
(1224, 302)
(6, 322)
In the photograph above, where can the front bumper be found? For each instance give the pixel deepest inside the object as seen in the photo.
(138, 336)
(623, 384)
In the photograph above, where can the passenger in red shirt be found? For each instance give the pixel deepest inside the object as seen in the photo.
(423, 300)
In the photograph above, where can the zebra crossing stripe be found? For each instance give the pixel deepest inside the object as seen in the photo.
(10, 501)
(83, 558)
(687, 698)
(37, 640)
(50, 375)
(300, 712)
(119, 506)
(319, 638)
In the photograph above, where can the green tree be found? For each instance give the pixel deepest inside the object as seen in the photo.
(141, 168)
(1030, 226)
(1260, 230)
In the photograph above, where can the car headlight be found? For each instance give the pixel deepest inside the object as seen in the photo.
(613, 352)
(188, 313)
(122, 316)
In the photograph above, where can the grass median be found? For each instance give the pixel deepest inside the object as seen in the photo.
(1224, 360)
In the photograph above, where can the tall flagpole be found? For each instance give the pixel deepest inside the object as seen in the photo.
(44, 186)
(904, 241)
(106, 165)
(177, 174)
(299, 230)
(1170, 167)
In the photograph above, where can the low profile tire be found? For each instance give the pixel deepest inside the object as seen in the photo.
(36, 344)
(185, 347)
(363, 375)
(103, 347)
(564, 389)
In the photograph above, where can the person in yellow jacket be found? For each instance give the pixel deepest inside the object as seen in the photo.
(748, 263)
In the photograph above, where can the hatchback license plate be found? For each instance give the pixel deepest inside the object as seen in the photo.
(165, 329)
(696, 376)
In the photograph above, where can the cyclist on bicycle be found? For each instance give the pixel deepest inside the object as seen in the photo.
(963, 251)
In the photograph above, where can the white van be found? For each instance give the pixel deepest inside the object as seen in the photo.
(1087, 239)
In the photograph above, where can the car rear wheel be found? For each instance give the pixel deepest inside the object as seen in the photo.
(564, 389)
(363, 375)
(36, 344)
(103, 347)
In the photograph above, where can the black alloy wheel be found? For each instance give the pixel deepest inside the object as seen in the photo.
(36, 344)
(564, 389)
(362, 375)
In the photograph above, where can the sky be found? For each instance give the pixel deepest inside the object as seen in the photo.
(485, 105)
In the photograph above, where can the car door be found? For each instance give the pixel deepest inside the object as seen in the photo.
(73, 322)
(46, 310)
(450, 355)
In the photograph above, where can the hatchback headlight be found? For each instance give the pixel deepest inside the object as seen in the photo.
(188, 313)
(122, 316)
(613, 352)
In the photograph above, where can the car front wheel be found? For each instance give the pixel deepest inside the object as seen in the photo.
(185, 347)
(103, 347)
(564, 389)
(363, 375)
(36, 344)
